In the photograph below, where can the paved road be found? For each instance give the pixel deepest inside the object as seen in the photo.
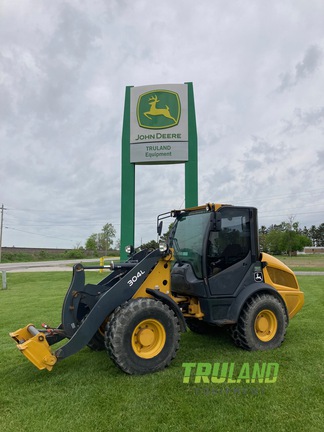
(309, 273)
(44, 266)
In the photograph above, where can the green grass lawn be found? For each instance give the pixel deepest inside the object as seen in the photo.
(314, 262)
(86, 392)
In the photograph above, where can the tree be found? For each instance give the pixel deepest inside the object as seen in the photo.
(316, 234)
(91, 243)
(273, 241)
(106, 237)
(284, 238)
(293, 241)
(263, 231)
(101, 241)
(150, 245)
(320, 235)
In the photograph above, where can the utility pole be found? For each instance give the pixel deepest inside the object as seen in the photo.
(1, 227)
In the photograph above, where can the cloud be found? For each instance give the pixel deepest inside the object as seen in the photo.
(302, 120)
(310, 63)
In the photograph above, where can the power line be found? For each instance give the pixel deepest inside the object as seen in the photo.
(291, 194)
(288, 212)
(41, 235)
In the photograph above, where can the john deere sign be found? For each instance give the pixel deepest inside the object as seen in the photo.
(159, 124)
(164, 109)
(159, 128)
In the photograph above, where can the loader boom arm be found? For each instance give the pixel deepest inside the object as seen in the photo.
(32, 342)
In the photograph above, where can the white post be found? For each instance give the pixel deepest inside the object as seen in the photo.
(4, 279)
(1, 227)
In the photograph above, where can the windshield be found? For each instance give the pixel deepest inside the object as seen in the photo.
(187, 239)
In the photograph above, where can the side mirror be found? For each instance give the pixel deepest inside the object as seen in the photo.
(159, 228)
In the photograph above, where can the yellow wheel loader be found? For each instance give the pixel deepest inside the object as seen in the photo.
(209, 273)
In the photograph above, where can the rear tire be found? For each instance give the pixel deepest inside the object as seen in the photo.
(262, 324)
(142, 336)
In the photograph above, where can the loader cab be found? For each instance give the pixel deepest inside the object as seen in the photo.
(213, 249)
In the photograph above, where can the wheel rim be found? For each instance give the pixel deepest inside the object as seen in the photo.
(102, 328)
(148, 338)
(265, 325)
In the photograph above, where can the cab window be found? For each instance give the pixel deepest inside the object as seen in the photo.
(232, 243)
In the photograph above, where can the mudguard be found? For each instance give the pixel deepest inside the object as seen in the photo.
(254, 288)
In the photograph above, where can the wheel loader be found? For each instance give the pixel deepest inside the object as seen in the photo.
(209, 273)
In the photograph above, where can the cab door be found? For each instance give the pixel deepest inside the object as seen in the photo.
(231, 249)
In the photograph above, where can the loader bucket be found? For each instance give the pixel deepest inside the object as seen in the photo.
(33, 344)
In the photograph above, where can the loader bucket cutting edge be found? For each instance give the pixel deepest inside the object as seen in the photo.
(33, 344)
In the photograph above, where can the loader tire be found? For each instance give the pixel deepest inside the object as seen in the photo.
(142, 336)
(262, 324)
(97, 343)
(200, 327)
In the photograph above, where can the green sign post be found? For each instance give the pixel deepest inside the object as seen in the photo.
(159, 127)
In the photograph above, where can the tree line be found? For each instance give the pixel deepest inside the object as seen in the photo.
(288, 237)
(285, 238)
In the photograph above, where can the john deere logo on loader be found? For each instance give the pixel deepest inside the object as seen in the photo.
(158, 109)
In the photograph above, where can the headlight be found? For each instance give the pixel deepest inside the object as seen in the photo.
(129, 249)
(163, 246)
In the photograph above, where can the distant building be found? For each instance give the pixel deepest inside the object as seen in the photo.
(14, 249)
(314, 250)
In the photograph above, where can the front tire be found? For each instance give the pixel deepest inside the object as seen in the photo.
(142, 336)
(262, 324)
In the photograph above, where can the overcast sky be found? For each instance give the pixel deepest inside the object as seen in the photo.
(257, 69)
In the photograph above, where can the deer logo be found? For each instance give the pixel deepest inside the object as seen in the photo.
(159, 109)
(258, 277)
